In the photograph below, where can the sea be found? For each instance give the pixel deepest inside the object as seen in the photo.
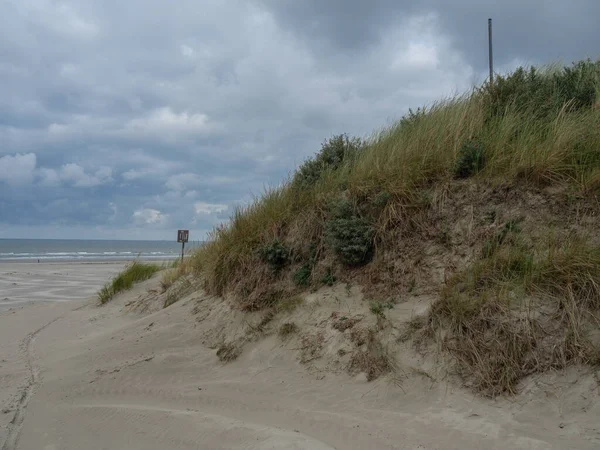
(32, 250)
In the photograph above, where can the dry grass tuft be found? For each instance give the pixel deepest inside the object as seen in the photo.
(374, 359)
(311, 346)
(228, 352)
(182, 287)
(521, 311)
(287, 329)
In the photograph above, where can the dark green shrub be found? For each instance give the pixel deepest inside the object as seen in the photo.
(349, 235)
(333, 153)
(539, 93)
(469, 161)
(275, 254)
(328, 277)
(302, 275)
(381, 199)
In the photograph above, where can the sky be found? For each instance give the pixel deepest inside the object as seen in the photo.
(130, 119)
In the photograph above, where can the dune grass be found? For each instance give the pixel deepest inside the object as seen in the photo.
(135, 272)
(536, 126)
(520, 305)
(520, 310)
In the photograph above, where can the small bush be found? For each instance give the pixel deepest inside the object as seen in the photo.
(133, 273)
(378, 308)
(541, 93)
(381, 199)
(302, 275)
(470, 160)
(275, 255)
(328, 277)
(350, 236)
(334, 152)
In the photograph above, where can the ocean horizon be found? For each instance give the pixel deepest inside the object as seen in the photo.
(28, 250)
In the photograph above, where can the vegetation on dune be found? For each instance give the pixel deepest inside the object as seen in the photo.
(517, 305)
(133, 273)
(520, 310)
(538, 125)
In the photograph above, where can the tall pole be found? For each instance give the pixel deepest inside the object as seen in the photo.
(490, 51)
(182, 248)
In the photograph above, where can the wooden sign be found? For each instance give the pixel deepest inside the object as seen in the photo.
(183, 235)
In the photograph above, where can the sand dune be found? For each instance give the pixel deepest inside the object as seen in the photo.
(76, 376)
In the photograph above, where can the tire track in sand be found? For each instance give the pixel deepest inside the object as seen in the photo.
(33, 381)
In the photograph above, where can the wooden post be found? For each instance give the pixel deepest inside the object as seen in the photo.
(490, 51)
(182, 236)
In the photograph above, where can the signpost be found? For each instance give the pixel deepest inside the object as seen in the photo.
(183, 236)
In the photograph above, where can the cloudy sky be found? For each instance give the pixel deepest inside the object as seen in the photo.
(132, 118)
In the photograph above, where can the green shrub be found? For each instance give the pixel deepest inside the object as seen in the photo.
(275, 255)
(378, 308)
(302, 275)
(469, 161)
(133, 273)
(381, 199)
(349, 235)
(328, 277)
(540, 93)
(333, 153)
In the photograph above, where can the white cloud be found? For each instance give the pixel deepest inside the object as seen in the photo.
(76, 175)
(187, 51)
(148, 216)
(57, 129)
(182, 181)
(209, 208)
(48, 177)
(165, 119)
(19, 169)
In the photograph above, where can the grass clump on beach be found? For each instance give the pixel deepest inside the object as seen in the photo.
(133, 273)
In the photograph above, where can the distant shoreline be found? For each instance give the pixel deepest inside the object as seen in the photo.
(86, 261)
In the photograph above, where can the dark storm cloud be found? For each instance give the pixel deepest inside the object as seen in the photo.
(531, 30)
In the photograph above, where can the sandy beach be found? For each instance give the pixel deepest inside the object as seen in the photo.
(77, 376)
(23, 283)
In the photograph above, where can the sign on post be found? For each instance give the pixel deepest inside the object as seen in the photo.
(183, 236)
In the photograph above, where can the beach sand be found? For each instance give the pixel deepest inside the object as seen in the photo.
(24, 283)
(75, 376)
